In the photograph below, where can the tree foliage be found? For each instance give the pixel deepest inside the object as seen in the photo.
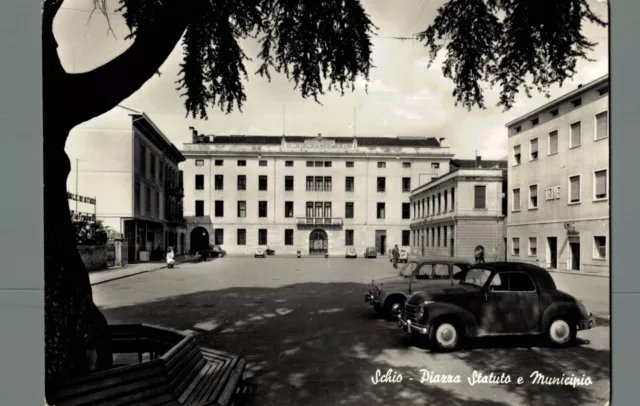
(515, 44)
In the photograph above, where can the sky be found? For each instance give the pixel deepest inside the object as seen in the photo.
(405, 98)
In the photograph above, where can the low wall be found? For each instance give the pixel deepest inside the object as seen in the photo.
(95, 257)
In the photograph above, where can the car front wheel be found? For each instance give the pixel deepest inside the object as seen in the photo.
(445, 336)
(561, 332)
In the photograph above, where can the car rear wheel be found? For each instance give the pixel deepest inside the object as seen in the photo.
(561, 332)
(445, 335)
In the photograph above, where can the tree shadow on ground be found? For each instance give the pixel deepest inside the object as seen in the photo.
(320, 344)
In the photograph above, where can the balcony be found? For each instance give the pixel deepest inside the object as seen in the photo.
(173, 189)
(319, 222)
(176, 220)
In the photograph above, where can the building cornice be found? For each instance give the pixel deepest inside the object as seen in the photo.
(324, 155)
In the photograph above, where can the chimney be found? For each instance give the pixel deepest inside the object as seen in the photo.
(580, 86)
(194, 134)
(440, 140)
(478, 160)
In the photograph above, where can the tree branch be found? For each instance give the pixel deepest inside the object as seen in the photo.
(113, 82)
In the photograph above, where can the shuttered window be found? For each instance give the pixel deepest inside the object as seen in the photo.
(602, 125)
(480, 197)
(553, 142)
(600, 184)
(576, 135)
(515, 246)
(533, 196)
(516, 155)
(533, 149)
(574, 189)
(516, 199)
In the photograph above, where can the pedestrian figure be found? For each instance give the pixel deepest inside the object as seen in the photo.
(479, 255)
(395, 254)
(171, 257)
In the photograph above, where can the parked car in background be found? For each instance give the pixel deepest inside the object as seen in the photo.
(216, 251)
(500, 298)
(404, 256)
(370, 253)
(269, 251)
(351, 253)
(387, 295)
(260, 253)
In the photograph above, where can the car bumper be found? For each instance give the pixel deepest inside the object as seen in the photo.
(410, 327)
(587, 324)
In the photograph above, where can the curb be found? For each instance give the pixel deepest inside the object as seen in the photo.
(132, 274)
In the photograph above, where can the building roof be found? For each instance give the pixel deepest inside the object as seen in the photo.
(568, 96)
(141, 120)
(472, 164)
(362, 141)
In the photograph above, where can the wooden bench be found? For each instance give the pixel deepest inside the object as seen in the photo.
(178, 372)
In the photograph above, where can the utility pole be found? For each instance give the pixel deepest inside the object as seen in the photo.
(76, 199)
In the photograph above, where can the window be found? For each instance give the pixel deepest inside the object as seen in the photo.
(516, 155)
(319, 213)
(318, 164)
(438, 236)
(262, 182)
(143, 161)
(309, 164)
(533, 197)
(440, 271)
(433, 237)
(242, 182)
(152, 166)
(288, 237)
(288, 164)
(553, 142)
(137, 196)
(574, 189)
(242, 208)
(349, 184)
(327, 164)
(382, 184)
(242, 162)
(262, 163)
(406, 184)
(288, 209)
(600, 185)
(327, 209)
(219, 182)
(147, 201)
(288, 183)
(446, 195)
(444, 240)
(533, 149)
(535, 121)
(453, 199)
(603, 91)
(518, 129)
(382, 164)
(348, 237)
(199, 208)
(318, 183)
(554, 113)
(157, 204)
(380, 212)
(439, 203)
(480, 197)
(515, 246)
(160, 170)
(199, 162)
(576, 135)
(602, 125)
(533, 246)
(406, 212)
(327, 183)
(576, 103)
(262, 236)
(348, 210)
(242, 236)
(199, 182)
(309, 209)
(406, 238)
(262, 208)
(219, 162)
(520, 282)
(406, 165)
(349, 164)
(516, 200)
(218, 238)
(219, 208)
(500, 282)
(435, 165)
(309, 183)
(600, 247)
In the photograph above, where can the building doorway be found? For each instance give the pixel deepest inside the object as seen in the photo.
(574, 256)
(199, 239)
(381, 241)
(552, 252)
(318, 242)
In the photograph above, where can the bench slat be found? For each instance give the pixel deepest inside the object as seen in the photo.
(207, 369)
(185, 368)
(214, 383)
(181, 387)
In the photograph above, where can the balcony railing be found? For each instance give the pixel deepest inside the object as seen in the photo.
(173, 189)
(319, 221)
(178, 220)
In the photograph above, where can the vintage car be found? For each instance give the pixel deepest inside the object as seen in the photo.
(260, 253)
(269, 251)
(500, 298)
(404, 256)
(216, 251)
(370, 253)
(351, 253)
(387, 295)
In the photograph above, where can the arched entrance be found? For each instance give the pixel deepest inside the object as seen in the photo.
(199, 239)
(318, 242)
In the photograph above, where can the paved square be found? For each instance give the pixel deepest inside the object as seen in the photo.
(309, 337)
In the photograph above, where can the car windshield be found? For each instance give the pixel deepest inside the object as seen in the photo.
(476, 276)
(408, 269)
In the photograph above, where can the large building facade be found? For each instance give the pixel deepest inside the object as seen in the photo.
(315, 195)
(559, 183)
(461, 211)
(125, 161)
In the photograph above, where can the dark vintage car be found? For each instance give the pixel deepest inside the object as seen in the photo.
(387, 295)
(371, 253)
(216, 251)
(496, 299)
